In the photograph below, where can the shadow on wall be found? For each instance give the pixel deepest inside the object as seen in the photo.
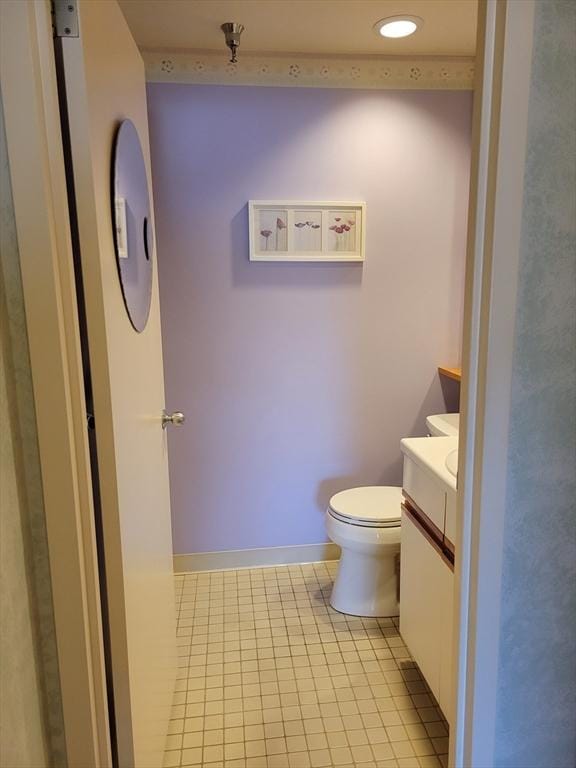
(451, 394)
(391, 474)
(284, 274)
(332, 485)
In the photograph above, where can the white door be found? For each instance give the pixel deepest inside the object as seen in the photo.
(104, 82)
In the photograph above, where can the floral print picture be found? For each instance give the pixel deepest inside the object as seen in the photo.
(306, 231)
(272, 230)
(342, 230)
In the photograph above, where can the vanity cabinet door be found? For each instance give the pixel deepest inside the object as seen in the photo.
(426, 610)
(446, 643)
(421, 590)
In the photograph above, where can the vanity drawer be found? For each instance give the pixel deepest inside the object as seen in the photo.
(425, 493)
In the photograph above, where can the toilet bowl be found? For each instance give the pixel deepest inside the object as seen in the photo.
(365, 523)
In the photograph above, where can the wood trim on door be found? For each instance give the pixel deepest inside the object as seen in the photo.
(428, 530)
(421, 515)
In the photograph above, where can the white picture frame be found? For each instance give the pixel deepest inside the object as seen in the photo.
(293, 230)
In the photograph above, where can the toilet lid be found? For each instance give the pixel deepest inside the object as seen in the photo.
(370, 505)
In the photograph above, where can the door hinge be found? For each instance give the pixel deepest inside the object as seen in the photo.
(65, 18)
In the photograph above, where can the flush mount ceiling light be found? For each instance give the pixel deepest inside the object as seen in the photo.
(398, 26)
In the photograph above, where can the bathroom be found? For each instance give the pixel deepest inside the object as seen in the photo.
(282, 530)
(299, 380)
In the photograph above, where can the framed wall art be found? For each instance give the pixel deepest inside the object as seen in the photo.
(282, 230)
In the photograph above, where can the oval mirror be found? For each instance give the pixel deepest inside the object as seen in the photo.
(133, 237)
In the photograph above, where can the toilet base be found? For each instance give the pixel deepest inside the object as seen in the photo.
(367, 585)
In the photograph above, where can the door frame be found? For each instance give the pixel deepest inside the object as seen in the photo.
(29, 94)
(504, 54)
(34, 144)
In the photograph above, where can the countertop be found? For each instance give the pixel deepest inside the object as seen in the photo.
(430, 453)
(450, 373)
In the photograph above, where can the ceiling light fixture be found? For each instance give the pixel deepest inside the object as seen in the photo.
(398, 26)
(232, 32)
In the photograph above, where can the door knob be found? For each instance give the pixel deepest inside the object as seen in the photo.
(177, 418)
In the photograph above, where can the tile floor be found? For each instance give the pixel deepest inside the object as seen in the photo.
(271, 677)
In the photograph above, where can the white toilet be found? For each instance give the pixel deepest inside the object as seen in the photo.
(365, 523)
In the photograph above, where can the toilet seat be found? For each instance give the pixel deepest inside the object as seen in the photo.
(374, 506)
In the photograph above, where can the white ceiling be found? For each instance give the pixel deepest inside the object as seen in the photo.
(304, 26)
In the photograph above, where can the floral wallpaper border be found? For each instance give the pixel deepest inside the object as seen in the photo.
(377, 72)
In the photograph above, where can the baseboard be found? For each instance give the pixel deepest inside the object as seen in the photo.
(255, 558)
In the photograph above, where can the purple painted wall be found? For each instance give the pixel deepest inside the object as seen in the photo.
(298, 380)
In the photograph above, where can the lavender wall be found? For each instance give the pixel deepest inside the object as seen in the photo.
(298, 380)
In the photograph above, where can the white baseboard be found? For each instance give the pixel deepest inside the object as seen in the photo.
(255, 558)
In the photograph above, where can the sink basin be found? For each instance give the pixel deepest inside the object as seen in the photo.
(443, 424)
(452, 462)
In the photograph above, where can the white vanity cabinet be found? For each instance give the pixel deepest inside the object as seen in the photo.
(427, 570)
